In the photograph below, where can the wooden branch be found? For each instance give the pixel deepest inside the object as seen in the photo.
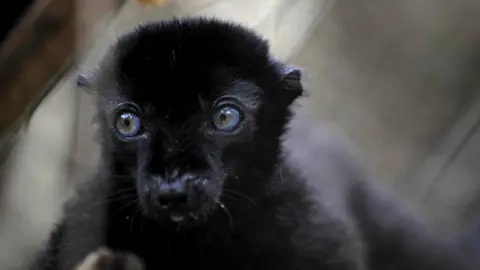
(39, 48)
(35, 55)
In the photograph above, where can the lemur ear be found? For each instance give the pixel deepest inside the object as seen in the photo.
(83, 81)
(291, 79)
(292, 76)
(292, 73)
(87, 81)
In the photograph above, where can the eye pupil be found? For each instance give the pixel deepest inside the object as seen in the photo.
(128, 124)
(226, 118)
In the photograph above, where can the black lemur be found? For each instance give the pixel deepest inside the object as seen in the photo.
(203, 166)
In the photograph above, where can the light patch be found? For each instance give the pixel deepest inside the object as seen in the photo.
(176, 217)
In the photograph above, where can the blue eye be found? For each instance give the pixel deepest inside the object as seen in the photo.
(226, 118)
(128, 124)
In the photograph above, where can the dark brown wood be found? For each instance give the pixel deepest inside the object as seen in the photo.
(39, 48)
(31, 56)
(37, 52)
(34, 53)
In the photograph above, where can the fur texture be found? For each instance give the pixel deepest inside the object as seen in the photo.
(270, 194)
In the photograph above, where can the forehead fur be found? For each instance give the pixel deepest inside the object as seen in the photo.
(179, 61)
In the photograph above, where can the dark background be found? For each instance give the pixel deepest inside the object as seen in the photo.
(10, 14)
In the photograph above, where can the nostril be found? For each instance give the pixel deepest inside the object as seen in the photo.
(173, 199)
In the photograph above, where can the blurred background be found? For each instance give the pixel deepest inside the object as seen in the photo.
(400, 78)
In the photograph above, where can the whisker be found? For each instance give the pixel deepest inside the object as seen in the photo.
(103, 202)
(125, 206)
(202, 104)
(120, 176)
(132, 223)
(98, 203)
(212, 164)
(123, 191)
(217, 230)
(228, 196)
(232, 192)
(226, 238)
(225, 209)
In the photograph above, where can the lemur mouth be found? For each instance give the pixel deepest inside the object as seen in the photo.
(182, 221)
(176, 217)
(179, 217)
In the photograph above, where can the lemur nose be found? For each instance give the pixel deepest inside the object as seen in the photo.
(172, 198)
(173, 193)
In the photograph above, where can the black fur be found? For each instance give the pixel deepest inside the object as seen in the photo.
(274, 198)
